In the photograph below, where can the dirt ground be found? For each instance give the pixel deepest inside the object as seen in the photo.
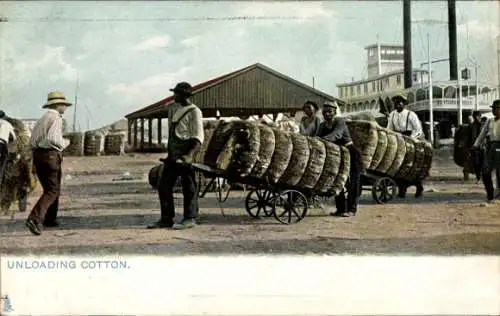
(103, 214)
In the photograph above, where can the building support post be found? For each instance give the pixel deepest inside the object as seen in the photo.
(129, 132)
(158, 134)
(135, 134)
(150, 133)
(142, 134)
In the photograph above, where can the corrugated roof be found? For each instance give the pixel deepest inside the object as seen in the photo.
(204, 85)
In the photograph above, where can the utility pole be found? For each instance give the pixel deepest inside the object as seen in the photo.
(431, 107)
(313, 82)
(76, 101)
(476, 106)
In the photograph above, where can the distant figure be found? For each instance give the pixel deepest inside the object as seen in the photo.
(185, 137)
(7, 134)
(309, 124)
(490, 136)
(406, 122)
(48, 144)
(477, 156)
(334, 129)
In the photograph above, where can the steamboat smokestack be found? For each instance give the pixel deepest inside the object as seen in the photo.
(407, 43)
(452, 39)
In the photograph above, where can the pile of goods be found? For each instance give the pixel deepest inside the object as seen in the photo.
(114, 143)
(276, 157)
(75, 147)
(461, 154)
(19, 178)
(93, 143)
(389, 153)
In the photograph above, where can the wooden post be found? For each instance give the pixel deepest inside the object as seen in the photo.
(135, 134)
(142, 134)
(129, 132)
(150, 132)
(159, 131)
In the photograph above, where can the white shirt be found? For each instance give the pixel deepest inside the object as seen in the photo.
(6, 130)
(48, 132)
(189, 125)
(405, 121)
(491, 130)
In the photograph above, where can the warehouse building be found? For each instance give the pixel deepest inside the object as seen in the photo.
(254, 90)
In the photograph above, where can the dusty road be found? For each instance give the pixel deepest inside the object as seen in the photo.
(102, 214)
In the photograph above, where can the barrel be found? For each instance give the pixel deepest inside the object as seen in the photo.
(114, 143)
(75, 147)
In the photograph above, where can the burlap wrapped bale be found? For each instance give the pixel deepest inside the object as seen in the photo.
(315, 165)
(331, 168)
(379, 151)
(242, 149)
(298, 161)
(200, 154)
(408, 161)
(20, 176)
(400, 156)
(266, 151)
(93, 143)
(365, 137)
(343, 174)
(114, 143)
(423, 162)
(390, 153)
(281, 156)
(210, 124)
(219, 138)
(75, 147)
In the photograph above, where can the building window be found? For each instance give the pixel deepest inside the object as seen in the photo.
(365, 88)
(386, 82)
(359, 90)
(415, 77)
(398, 79)
(371, 52)
(373, 86)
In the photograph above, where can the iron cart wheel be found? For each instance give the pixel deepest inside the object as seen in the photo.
(384, 190)
(259, 202)
(290, 206)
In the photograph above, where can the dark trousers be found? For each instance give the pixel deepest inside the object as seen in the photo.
(477, 160)
(48, 170)
(404, 185)
(488, 181)
(350, 203)
(4, 157)
(171, 172)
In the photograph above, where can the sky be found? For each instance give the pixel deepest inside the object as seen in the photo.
(126, 55)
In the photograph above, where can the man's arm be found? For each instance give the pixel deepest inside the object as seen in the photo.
(55, 135)
(482, 135)
(390, 125)
(338, 131)
(416, 131)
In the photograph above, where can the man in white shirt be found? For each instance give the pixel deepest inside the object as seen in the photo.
(405, 122)
(7, 134)
(48, 144)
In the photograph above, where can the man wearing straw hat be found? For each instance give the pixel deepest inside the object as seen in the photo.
(405, 122)
(185, 136)
(7, 134)
(490, 134)
(48, 144)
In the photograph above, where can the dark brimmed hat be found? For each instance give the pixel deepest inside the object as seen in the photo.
(496, 104)
(183, 88)
(401, 97)
(476, 113)
(2, 114)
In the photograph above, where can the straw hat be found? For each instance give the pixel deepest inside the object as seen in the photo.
(400, 96)
(56, 98)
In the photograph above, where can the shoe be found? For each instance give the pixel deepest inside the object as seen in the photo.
(51, 224)
(34, 227)
(348, 214)
(337, 214)
(161, 224)
(185, 224)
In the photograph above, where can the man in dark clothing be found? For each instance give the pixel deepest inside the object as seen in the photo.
(185, 136)
(477, 155)
(7, 134)
(334, 129)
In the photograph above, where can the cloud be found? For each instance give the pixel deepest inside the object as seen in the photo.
(152, 43)
(52, 63)
(191, 41)
(476, 28)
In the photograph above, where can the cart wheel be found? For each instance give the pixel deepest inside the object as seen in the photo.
(290, 206)
(259, 202)
(384, 190)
